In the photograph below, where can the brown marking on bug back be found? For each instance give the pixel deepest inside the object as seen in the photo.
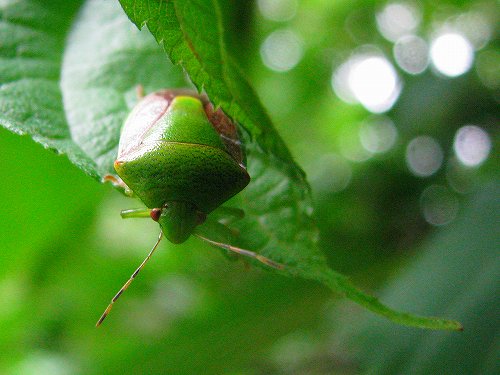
(227, 131)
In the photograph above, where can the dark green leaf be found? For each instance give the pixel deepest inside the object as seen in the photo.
(31, 48)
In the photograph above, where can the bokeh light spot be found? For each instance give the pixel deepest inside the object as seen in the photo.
(452, 54)
(398, 19)
(439, 205)
(282, 50)
(424, 156)
(472, 145)
(292, 350)
(174, 297)
(476, 26)
(369, 79)
(340, 82)
(374, 83)
(411, 54)
(178, 295)
(331, 173)
(278, 10)
(378, 135)
(45, 363)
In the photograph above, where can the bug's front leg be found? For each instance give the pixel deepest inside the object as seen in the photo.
(118, 183)
(139, 91)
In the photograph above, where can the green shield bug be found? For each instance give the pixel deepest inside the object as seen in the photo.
(183, 159)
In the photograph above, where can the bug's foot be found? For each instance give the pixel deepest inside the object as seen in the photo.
(118, 183)
(139, 91)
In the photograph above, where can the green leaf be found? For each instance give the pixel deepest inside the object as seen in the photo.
(279, 221)
(282, 228)
(68, 80)
(31, 45)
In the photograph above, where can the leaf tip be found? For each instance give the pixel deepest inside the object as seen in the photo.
(451, 325)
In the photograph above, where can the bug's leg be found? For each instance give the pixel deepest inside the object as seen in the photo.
(248, 253)
(118, 183)
(139, 91)
(212, 228)
(215, 230)
(224, 235)
(129, 281)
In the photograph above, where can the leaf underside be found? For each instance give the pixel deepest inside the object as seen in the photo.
(68, 77)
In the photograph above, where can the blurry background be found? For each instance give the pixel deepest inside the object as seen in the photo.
(392, 110)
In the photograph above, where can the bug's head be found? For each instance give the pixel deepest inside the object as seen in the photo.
(177, 220)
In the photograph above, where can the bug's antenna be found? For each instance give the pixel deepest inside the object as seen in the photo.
(129, 281)
(247, 253)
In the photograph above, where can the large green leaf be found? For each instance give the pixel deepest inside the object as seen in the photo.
(278, 223)
(71, 90)
(32, 41)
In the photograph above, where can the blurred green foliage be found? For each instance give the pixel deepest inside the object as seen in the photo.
(65, 249)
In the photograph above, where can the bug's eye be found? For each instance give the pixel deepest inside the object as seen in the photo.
(155, 214)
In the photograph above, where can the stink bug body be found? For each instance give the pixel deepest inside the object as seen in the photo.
(183, 159)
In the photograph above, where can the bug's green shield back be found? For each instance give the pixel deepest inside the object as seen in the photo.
(203, 175)
(171, 151)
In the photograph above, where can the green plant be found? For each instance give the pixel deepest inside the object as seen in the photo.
(70, 89)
